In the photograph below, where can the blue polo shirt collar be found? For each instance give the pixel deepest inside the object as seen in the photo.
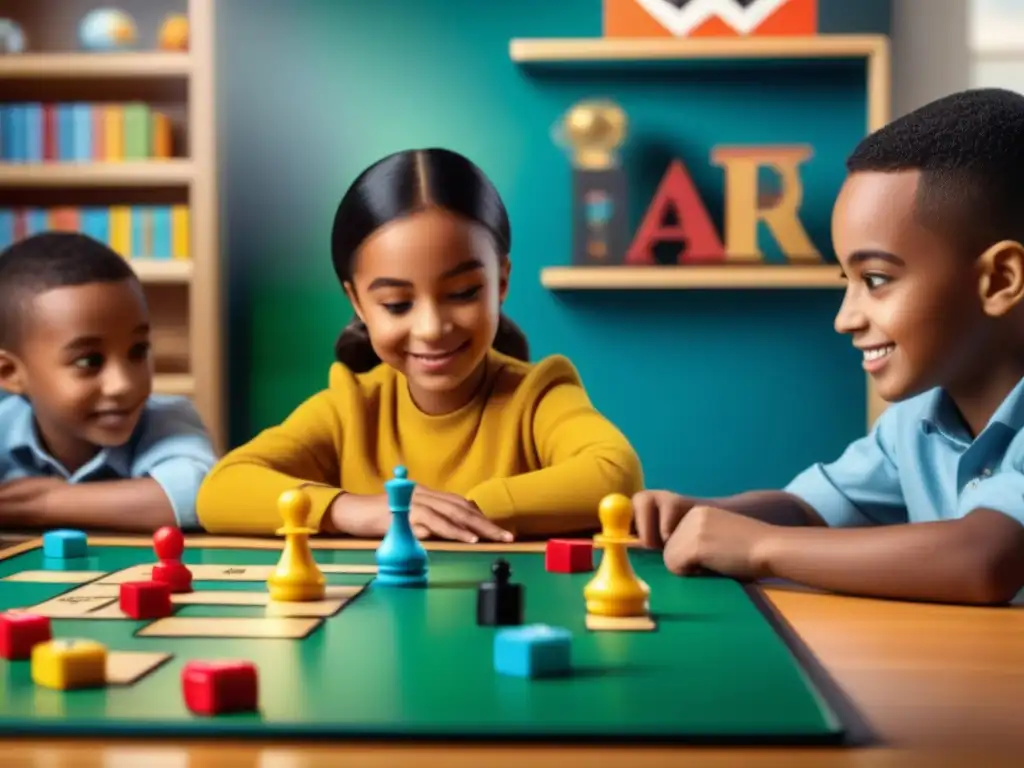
(940, 416)
(24, 446)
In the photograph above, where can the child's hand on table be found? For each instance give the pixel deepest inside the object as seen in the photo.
(431, 513)
(26, 499)
(697, 537)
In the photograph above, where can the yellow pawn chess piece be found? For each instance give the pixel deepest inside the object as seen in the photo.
(297, 577)
(616, 590)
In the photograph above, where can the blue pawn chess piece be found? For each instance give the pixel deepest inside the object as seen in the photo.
(401, 559)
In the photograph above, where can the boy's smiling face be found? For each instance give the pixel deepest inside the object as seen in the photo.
(912, 302)
(83, 362)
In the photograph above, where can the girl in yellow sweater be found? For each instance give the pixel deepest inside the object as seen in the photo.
(432, 376)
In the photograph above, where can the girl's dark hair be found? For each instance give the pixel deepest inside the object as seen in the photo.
(397, 186)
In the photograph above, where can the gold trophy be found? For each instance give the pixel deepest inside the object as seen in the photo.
(594, 130)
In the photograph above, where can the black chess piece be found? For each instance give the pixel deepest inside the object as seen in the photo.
(499, 602)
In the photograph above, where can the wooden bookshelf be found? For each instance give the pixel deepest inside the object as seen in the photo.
(571, 53)
(184, 294)
(692, 277)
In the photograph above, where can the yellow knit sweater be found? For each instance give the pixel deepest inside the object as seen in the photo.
(531, 451)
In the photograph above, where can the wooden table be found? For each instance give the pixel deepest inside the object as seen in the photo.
(938, 685)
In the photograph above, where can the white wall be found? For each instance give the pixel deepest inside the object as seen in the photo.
(930, 56)
(941, 46)
(997, 43)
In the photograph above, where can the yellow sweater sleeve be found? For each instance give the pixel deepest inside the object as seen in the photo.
(239, 495)
(584, 457)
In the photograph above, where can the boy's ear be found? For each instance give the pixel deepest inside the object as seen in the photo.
(1001, 278)
(12, 379)
(350, 291)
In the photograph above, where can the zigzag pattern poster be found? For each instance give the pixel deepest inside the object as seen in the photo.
(709, 18)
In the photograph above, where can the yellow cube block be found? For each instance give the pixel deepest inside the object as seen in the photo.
(69, 663)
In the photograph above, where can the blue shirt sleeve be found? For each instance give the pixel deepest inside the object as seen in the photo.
(861, 487)
(1002, 491)
(175, 449)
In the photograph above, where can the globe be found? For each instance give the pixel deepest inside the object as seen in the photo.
(12, 38)
(107, 29)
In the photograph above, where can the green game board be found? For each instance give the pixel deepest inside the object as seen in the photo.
(413, 663)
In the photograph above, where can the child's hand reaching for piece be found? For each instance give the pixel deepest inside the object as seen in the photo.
(713, 539)
(657, 513)
(698, 537)
(431, 513)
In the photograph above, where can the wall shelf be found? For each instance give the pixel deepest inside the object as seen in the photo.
(174, 384)
(142, 173)
(552, 50)
(142, 64)
(692, 277)
(163, 270)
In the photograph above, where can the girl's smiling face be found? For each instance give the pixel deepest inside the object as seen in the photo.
(429, 288)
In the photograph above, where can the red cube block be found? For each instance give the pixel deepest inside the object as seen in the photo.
(19, 632)
(217, 687)
(569, 555)
(145, 599)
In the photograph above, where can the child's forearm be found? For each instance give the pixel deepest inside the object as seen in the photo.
(978, 559)
(773, 507)
(239, 498)
(563, 498)
(119, 505)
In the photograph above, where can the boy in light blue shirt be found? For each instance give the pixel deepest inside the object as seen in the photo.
(929, 228)
(83, 441)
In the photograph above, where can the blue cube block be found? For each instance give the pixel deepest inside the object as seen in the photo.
(62, 544)
(536, 650)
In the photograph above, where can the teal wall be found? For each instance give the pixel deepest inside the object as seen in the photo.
(717, 390)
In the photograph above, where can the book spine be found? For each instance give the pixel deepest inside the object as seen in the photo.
(161, 231)
(6, 227)
(180, 232)
(113, 131)
(36, 221)
(65, 133)
(99, 135)
(82, 119)
(162, 144)
(136, 131)
(33, 116)
(121, 230)
(51, 152)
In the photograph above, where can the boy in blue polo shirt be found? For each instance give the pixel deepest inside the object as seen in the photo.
(929, 506)
(83, 442)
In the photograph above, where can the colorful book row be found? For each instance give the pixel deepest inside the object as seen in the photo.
(134, 231)
(82, 132)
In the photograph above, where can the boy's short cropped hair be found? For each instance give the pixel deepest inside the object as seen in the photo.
(47, 261)
(969, 149)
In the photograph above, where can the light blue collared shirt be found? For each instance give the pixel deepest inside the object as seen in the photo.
(919, 464)
(170, 445)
